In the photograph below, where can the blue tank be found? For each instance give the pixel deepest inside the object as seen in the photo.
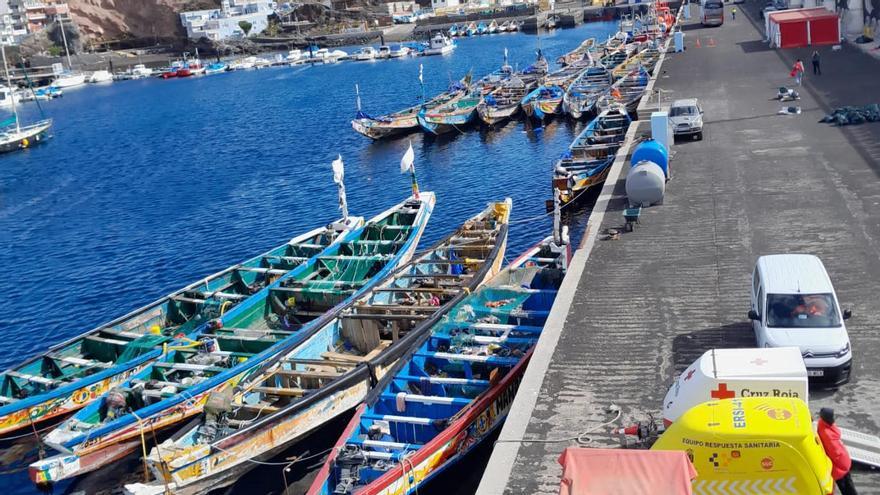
(652, 151)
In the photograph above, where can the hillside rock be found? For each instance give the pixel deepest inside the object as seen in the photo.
(110, 20)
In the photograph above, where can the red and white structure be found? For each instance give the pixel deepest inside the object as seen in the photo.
(797, 28)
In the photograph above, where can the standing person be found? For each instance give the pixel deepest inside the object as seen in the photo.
(797, 71)
(829, 434)
(733, 13)
(816, 69)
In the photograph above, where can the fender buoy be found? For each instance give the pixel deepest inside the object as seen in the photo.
(25, 143)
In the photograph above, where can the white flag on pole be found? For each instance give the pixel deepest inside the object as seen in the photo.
(406, 163)
(339, 179)
(505, 54)
(421, 79)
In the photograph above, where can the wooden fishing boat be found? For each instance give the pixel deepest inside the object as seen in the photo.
(392, 124)
(72, 374)
(627, 91)
(543, 101)
(588, 159)
(578, 54)
(581, 97)
(647, 59)
(330, 372)
(502, 103)
(454, 114)
(449, 393)
(226, 349)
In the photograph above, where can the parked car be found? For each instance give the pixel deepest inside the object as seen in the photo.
(794, 304)
(687, 118)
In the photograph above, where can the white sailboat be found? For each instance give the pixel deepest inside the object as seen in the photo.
(14, 136)
(68, 78)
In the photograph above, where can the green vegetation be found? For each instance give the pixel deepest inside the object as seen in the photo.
(55, 51)
(245, 26)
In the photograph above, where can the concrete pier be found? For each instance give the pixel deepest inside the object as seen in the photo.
(636, 311)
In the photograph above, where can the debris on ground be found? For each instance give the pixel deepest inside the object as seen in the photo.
(852, 115)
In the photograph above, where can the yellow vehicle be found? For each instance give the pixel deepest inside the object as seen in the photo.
(755, 445)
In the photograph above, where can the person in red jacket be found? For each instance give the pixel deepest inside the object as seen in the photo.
(829, 433)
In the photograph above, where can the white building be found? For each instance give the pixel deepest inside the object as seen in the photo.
(223, 23)
(445, 4)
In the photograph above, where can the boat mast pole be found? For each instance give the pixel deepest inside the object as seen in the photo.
(66, 49)
(557, 218)
(11, 90)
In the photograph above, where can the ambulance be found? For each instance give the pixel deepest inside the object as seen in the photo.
(755, 445)
(736, 373)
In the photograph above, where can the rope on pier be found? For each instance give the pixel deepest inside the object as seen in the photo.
(581, 439)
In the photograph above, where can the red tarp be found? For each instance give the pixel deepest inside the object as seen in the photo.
(793, 34)
(625, 472)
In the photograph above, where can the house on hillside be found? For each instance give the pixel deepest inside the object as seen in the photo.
(225, 22)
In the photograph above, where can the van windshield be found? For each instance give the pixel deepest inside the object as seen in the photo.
(801, 311)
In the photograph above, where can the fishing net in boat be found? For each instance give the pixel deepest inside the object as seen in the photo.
(140, 346)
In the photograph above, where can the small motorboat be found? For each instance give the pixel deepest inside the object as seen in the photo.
(398, 51)
(100, 76)
(216, 68)
(365, 53)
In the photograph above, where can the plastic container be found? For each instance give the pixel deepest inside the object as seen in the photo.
(645, 184)
(652, 151)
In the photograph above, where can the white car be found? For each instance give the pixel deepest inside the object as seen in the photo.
(794, 304)
(686, 117)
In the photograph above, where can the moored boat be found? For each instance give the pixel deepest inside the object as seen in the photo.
(482, 28)
(365, 53)
(69, 80)
(71, 374)
(581, 96)
(646, 58)
(13, 137)
(226, 349)
(451, 115)
(493, 27)
(100, 76)
(626, 91)
(330, 373)
(578, 54)
(216, 68)
(439, 45)
(453, 389)
(543, 102)
(398, 51)
(502, 103)
(588, 159)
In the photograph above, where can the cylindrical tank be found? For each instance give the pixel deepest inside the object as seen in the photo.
(653, 151)
(645, 184)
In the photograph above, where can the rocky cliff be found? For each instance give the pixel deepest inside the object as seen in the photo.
(110, 20)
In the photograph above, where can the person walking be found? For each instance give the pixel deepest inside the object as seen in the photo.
(816, 69)
(797, 71)
(733, 13)
(841, 463)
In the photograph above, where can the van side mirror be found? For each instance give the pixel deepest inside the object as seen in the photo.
(753, 315)
(847, 314)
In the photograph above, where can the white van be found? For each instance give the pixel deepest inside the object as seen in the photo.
(794, 304)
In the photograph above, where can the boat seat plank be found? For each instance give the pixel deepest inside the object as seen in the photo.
(413, 420)
(33, 378)
(280, 391)
(429, 290)
(249, 338)
(427, 399)
(472, 358)
(380, 316)
(89, 363)
(308, 245)
(321, 362)
(380, 444)
(188, 366)
(309, 374)
(104, 340)
(270, 271)
(338, 356)
(442, 380)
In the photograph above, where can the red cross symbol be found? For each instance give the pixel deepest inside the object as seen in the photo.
(759, 361)
(689, 375)
(722, 392)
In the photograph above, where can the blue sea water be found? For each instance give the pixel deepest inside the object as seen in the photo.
(149, 185)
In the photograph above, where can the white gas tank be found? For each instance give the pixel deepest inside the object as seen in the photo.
(645, 184)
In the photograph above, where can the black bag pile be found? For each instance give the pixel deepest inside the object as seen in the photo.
(853, 115)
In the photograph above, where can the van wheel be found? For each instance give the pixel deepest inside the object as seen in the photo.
(699, 136)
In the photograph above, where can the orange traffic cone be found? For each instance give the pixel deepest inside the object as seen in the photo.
(698, 43)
